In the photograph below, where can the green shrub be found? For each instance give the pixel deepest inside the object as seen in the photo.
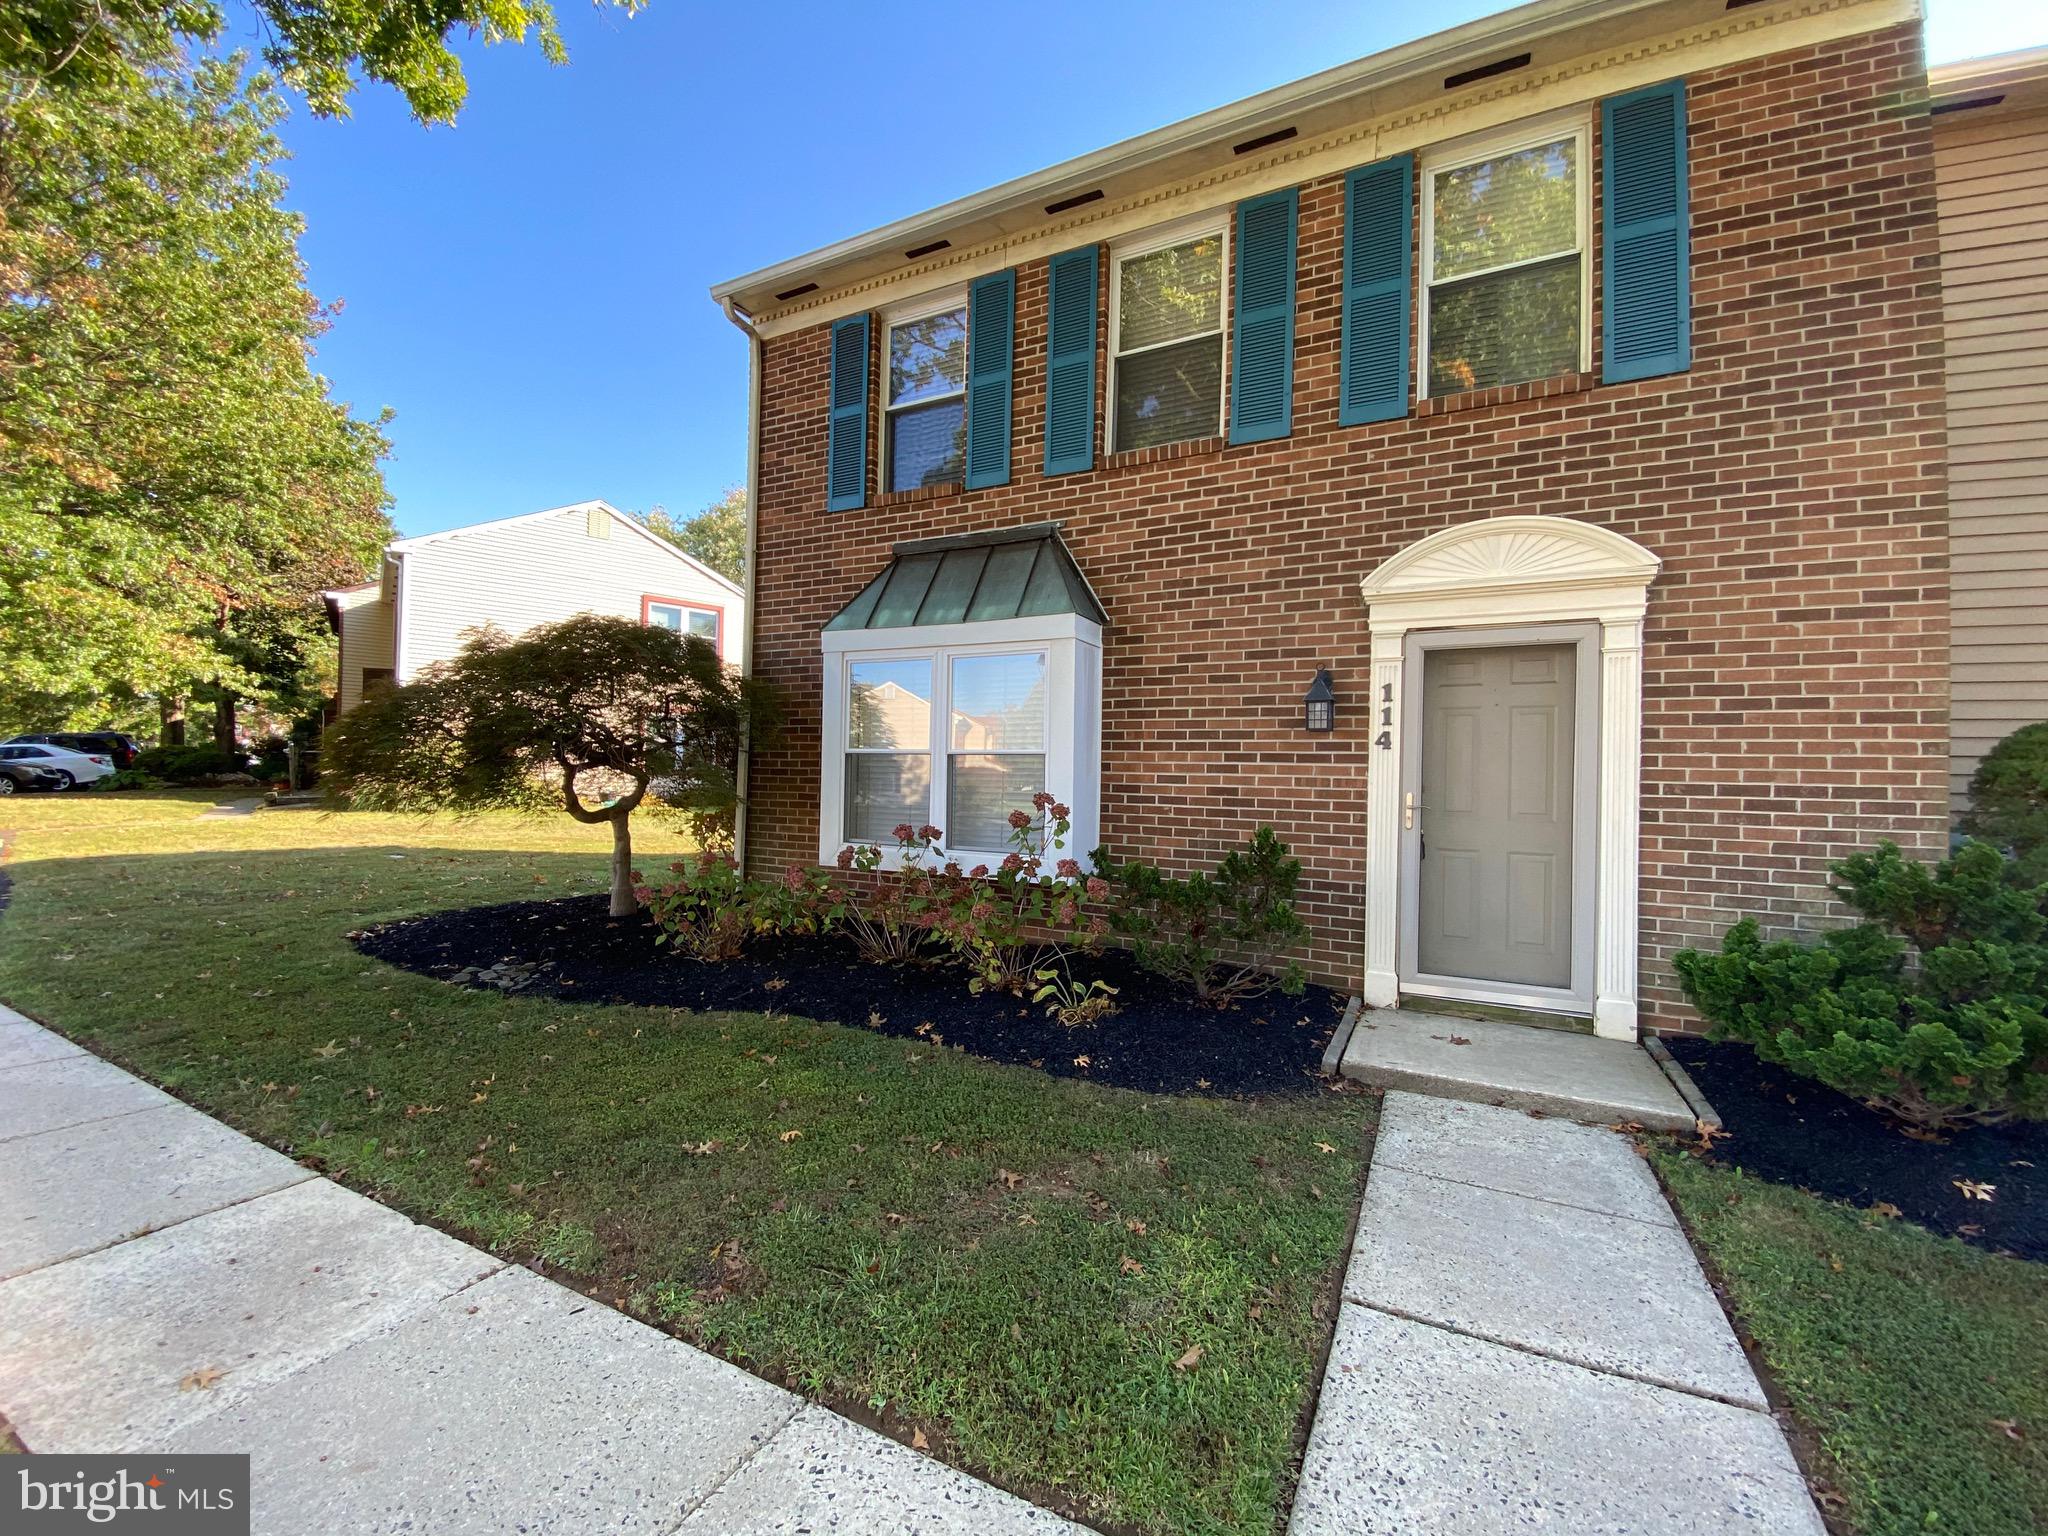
(184, 765)
(1932, 1011)
(2009, 798)
(710, 910)
(127, 778)
(1220, 934)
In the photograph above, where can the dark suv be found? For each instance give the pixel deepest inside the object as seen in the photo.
(117, 747)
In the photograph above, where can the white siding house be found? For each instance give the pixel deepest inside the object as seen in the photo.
(516, 573)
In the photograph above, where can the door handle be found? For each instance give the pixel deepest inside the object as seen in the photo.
(1409, 806)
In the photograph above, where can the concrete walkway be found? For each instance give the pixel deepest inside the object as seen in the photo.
(1559, 1072)
(1526, 1342)
(167, 1284)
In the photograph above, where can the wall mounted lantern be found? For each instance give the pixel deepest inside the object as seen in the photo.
(1319, 705)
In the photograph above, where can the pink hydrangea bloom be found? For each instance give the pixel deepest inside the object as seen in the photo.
(1098, 888)
(1068, 869)
(903, 832)
(979, 872)
(929, 833)
(845, 859)
(1013, 862)
(1060, 813)
(1020, 819)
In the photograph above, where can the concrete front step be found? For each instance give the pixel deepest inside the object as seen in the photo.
(1577, 1077)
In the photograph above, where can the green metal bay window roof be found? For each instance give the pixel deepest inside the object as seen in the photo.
(971, 578)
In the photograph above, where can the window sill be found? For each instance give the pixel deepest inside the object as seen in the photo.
(1507, 394)
(921, 493)
(1188, 448)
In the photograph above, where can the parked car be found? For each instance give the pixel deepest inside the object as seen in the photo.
(117, 746)
(21, 773)
(63, 765)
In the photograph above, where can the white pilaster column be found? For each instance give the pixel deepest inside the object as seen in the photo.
(1383, 824)
(1616, 940)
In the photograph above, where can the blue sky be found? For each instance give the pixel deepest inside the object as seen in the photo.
(527, 289)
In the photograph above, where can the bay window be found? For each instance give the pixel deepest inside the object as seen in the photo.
(1504, 255)
(1166, 337)
(959, 725)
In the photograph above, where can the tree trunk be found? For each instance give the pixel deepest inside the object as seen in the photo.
(170, 710)
(224, 722)
(624, 902)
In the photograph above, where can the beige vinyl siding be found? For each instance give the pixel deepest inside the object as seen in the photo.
(365, 620)
(533, 571)
(1993, 184)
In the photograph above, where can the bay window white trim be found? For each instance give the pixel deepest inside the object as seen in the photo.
(1072, 648)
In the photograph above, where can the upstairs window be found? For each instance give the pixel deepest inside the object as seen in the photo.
(1504, 263)
(924, 435)
(1166, 338)
(684, 619)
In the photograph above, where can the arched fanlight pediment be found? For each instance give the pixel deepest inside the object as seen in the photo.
(1501, 554)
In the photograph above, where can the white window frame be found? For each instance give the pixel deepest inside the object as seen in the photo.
(1459, 153)
(1182, 232)
(921, 308)
(1072, 648)
(717, 636)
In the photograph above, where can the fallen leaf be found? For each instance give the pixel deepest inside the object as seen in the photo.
(201, 1380)
(1887, 1210)
(1325, 1148)
(1010, 1180)
(1459, 1040)
(918, 1441)
(1972, 1190)
(792, 1136)
(1131, 1266)
(1135, 1228)
(1080, 1061)
(1190, 1360)
(2010, 1428)
(328, 1051)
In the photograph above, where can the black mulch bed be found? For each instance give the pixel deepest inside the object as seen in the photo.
(1791, 1130)
(1159, 1041)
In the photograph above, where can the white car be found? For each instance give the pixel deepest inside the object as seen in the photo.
(68, 767)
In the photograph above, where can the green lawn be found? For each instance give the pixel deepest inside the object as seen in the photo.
(1104, 1299)
(1920, 1364)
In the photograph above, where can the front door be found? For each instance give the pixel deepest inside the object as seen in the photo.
(1495, 808)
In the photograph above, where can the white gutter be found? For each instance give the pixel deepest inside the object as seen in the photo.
(738, 317)
(1240, 119)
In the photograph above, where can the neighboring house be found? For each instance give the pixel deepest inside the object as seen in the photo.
(1991, 168)
(515, 573)
(1569, 385)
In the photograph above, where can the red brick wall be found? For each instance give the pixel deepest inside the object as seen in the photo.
(1796, 700)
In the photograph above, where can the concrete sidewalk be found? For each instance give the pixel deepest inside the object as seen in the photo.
(167, 1284)
(1527, 1342)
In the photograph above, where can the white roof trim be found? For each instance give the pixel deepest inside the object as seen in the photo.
(595, 504)
(1455, 45)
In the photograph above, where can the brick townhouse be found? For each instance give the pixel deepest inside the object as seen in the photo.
(1511, 465)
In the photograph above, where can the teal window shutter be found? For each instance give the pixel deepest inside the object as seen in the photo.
(991, 333)
(1379, 241)
(1070, 363)
(846, 457)
(1646, 281)
(1262, 361)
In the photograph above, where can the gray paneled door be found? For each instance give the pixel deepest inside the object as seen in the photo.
(1494, 888)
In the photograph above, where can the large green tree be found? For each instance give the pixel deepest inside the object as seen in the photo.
(717, 535)
(319, 47)
(171, 466)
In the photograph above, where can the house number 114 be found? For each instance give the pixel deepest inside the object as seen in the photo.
(1386, 735)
